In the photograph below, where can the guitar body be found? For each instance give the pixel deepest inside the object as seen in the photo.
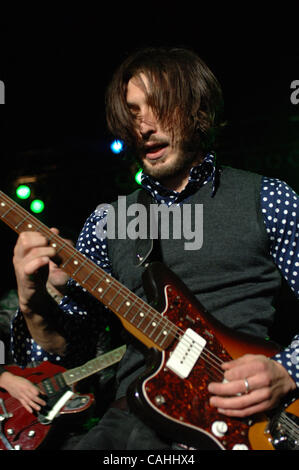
(26, 430)
(180, 407)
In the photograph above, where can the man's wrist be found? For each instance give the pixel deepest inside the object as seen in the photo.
(36, 304)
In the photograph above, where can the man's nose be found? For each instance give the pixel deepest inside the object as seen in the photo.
(147, 125)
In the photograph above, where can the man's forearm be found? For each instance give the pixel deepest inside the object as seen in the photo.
(44, 325)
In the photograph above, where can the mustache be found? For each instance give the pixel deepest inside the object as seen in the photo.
(152, 143)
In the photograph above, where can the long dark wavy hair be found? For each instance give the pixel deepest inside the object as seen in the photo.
(183, 93)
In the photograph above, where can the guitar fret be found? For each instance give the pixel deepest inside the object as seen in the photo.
(60, 248)
(5, 213)
(130, 305)
(90, 274)
(132, 319)
(50, 238)
(152, 324)
(96, 285)
(68, 260)
(80, 267)
(99, 288)
(145, 322)
(22, 221)
(159, 328)
(143, 317)
(121, 304)
(165, 334)
(113, 298)
(107, 288)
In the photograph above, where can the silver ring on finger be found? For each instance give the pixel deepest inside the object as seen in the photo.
(247, 388)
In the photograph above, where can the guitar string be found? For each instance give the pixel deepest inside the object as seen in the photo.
(171, 327)
(289, 425)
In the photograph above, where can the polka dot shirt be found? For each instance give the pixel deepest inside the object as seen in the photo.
(84, 316)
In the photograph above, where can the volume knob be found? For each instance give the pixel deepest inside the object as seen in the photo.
(219, 428)
(240, 447)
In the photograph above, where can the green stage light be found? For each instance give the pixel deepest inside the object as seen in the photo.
(138, 176)
(37, 206)
(23, 191)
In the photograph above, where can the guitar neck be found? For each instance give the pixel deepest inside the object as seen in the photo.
(143, 321)
(95, 365)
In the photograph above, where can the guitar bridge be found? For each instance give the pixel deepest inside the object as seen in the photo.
(186, 353)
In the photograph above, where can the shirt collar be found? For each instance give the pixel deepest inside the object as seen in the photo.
(198, 177)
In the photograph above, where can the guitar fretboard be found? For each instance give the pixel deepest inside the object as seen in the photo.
(94, 365)
(146, 323)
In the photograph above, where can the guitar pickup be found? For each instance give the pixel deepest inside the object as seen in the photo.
(186, 353)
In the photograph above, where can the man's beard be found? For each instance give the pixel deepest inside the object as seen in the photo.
(177, 167)
(163, 172)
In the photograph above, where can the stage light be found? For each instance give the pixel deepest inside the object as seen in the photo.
(117, 146)
(23, 191)
(37, 206)
(138, 176)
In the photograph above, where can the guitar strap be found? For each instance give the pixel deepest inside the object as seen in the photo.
(147, 249)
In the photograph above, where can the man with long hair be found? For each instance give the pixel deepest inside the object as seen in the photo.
(166, 105)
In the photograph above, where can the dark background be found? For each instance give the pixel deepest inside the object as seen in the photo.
(56, 64)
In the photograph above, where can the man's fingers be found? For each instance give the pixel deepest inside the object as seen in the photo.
(40, 252)
(35, 265)
(27, 407)
(40, 401)
(252, 384)
(54, 230)
(36, 259)
(31, 399)
(242, 405)
(229, 389)
(247, 366)
(243, 413)
(27, 241)
(240, 401)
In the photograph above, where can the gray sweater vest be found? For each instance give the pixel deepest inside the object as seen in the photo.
(233, 274)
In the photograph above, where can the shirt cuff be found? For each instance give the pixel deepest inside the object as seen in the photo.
(24, 349)
(289, 359)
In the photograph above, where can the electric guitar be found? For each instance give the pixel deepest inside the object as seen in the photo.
(187, 347)
(21, 430)
(282, 429)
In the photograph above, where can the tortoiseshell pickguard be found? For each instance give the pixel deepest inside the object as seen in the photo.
(186, 401)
